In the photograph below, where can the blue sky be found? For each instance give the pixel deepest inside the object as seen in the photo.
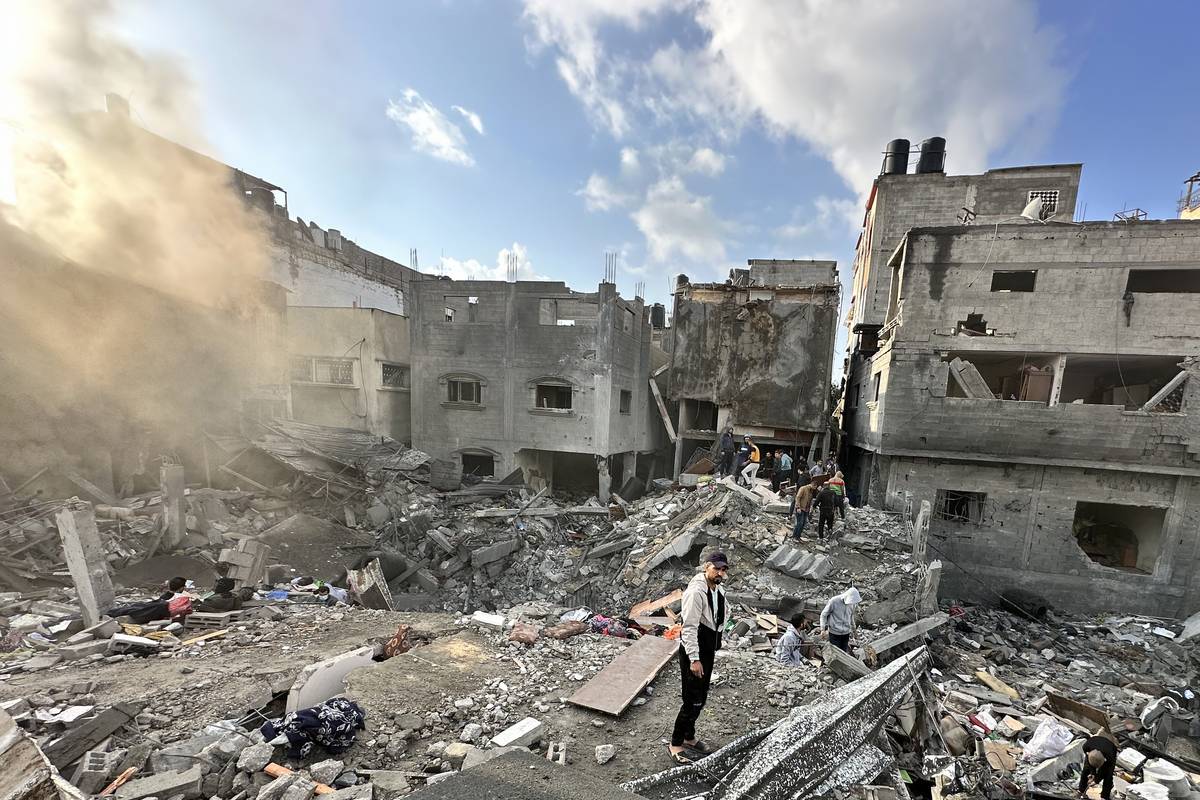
(687, 136)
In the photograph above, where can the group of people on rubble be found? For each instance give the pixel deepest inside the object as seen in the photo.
(180, 598)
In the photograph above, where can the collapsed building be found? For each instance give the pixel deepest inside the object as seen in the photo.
(755, 353)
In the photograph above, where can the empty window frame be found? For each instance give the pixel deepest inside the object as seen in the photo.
(449, 314)
(1014, 280)
(626, 405)
(877, 374)
(338, 371)
(394, 376)
(1168, 281)
(956, 506)
(481, 465)
(1049, 198)
(1128, 381)
(553, 396)
(463, 391)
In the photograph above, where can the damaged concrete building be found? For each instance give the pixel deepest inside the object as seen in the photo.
(755, 353)
(533, 375)
(1032, 383)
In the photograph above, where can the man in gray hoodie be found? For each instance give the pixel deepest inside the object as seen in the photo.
(703, 615)
(837, 618)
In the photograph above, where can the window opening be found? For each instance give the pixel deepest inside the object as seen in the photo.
(626, 401)
(395, 376)
(550, 395)
(975, 325)
(301, 369)
(472, 308)
(1049, 198)
(334, 370)
(957, 506)
(461, 391)
(1129, 381)
(1122, 537)
(449, 314)
(877, 374)
(1015, 281)
(479, 465)
(1168, 281)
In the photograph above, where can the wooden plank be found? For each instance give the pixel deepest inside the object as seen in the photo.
(996, 685)
(662, 410)
(30, 480)
(251, 481)
(204, 637)
(1087, 717)
(617, 685)
(71, 746)
(89, 487)
(647, 608)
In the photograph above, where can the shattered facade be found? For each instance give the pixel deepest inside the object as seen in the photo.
(755, 353)
(533, 375)
(1032, 383)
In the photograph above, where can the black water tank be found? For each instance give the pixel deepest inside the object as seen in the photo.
(658, 316)
(895, 157)
(933, 156)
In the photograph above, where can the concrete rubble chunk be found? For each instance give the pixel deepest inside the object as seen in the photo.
(799, 563)
(457, 751)
(326, 771)
(326, 679)
(605, 753)
(255, 757)
(163, 784)
(525, 733)
(487, 620)
(275, 789)
(471, 732)
(301, 789)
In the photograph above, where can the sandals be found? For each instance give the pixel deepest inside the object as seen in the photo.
(681, 759)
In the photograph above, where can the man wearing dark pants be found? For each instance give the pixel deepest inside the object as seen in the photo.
(703, 613)
(837, 618)
(826, 503)
(1099, 758)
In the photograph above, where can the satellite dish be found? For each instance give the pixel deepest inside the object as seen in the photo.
(1034, 210)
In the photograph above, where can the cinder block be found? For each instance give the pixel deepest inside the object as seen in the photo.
(523, 734)
(73, 652)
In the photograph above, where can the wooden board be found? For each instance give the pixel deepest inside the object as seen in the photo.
(648, 607)
(618, 684)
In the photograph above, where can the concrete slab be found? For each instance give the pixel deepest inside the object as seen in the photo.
(323, 680)
(519, 775)
(522, 734)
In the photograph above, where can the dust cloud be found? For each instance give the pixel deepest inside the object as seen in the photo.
(131, 312)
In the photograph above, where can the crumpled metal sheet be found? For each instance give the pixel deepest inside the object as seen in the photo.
(818, 748)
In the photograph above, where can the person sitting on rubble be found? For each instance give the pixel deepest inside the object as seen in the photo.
(333, 595)
(837, 618)
(703, 615)
(1099, 758)
(801, 507)
(222, 599)
(826, 503)
(173, 588)
(795, 645)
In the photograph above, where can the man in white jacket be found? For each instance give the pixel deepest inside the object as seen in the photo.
(703, 614)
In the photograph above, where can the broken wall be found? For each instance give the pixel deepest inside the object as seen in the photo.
(764, 354)
(366, 340)
(1025, 535)
(509, 338)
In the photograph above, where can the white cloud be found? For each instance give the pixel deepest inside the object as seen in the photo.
(600, 195)
(473, 270)
(473, 119)
(832, 216)
(677, 223)
(432, 133)
(707, 161)
(843, 77)
(572, 29)
(630, 162)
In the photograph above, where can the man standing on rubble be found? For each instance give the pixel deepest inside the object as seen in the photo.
(726, 465)
(1099, 758)
(802, 502)
(837, 618)
(826, 504)
(753, 457)
(703, 616)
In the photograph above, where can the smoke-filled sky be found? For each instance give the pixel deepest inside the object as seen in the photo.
(687, 135)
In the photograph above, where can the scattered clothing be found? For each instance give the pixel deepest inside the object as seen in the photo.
(339, 596)
(333, 725)
(219, 603)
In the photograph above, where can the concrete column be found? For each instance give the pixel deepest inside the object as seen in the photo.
(174, 512)
(685, 423)
(87, 562)
(1060, 366)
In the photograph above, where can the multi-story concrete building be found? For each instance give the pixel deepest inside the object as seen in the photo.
(755, 353)
(534, 375)
(1032, 382)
